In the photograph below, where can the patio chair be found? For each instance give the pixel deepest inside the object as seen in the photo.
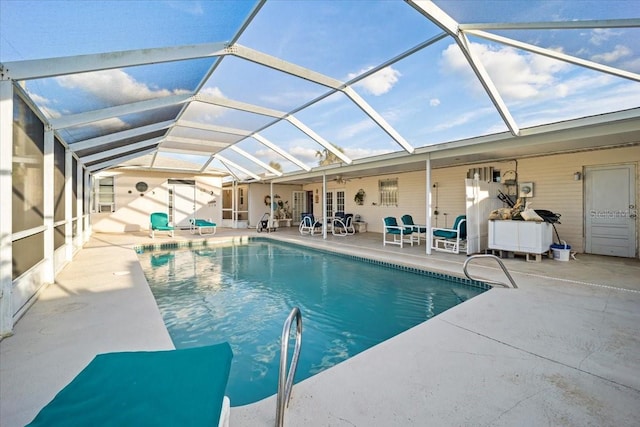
(200, 224)
(343, 225)
(146, 388)
(450, 239)
(160, 221)
(308, 224)
(419, 229)
(400, 234)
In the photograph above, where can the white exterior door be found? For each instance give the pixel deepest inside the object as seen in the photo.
(299, 205)
(610, 210)
(182, 204)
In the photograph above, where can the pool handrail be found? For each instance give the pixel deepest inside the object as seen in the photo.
(490, 282)
(285, 385)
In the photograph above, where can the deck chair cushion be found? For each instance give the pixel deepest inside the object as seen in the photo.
(202, 223)
(392, 222)
(160, 221)
(408, 220)
(452, 234)
(154, 388)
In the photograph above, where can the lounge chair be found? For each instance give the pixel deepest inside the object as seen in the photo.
(400, 234)
(450, 239)
(160, 221)
(343, 225)
(419, 229)
(265, 224)
(146, 388)
(200, 224)
(308, 224)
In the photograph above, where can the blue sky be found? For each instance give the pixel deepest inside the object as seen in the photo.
(429, 97)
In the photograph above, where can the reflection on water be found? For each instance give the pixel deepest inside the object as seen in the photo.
(242, 294)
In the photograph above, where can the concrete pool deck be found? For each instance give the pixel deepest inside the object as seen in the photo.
(563, 349)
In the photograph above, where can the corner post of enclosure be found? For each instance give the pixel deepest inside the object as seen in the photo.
(88, 187)
(68, 201)
(429, 207)
(48, 205)
(79, 201)
(6, 212)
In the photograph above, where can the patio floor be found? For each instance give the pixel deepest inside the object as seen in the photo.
(563, 349)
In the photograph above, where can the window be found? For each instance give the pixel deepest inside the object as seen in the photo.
(329, 212)
(388, 189)
(340, 201)
(105, 196)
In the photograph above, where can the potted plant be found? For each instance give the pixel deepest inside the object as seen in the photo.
(359, 197)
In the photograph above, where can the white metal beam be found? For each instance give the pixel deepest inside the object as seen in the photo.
(320, 140)
(557, 55)
(237, 105)
(111, 162)
(264, 141)
(206, 164)
(120, 150)
(554, 25)
(378, 119)
(117, 111)
(213, 128)
(195, 141)
(436, 15)
(118, 136)
(228, 163)
(43, 68)
(255, 160)
(284, 66)
(487, 83)
(448, 24)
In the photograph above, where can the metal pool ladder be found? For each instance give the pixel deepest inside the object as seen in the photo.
(284, 385)
(490, 282)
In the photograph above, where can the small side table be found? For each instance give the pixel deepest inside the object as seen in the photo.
(361, 227)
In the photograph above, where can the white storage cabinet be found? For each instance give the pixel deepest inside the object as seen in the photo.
(529, 237)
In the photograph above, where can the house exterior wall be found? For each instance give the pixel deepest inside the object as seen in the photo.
(132, 208)
(554, 189)
(257, 194)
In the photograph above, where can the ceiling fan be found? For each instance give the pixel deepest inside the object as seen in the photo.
(340, 179)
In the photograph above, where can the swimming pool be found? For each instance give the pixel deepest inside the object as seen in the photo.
(242, 293)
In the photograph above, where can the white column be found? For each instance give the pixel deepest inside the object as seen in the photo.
(429, 204)
(6, 217)
(49, 204)
(80, 204)
(68, 195)
(324, 205)
(88, 185)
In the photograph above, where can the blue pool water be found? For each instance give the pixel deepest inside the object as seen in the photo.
(243, 294)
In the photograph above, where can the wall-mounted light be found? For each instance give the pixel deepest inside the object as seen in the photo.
(577, 176)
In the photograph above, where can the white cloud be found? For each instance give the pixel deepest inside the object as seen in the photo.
(189, 7)
(601, 35)
(305, 154)
(378, 83)
(434, 102)
(516, 75)
(200, 111)
(356, 128)
(620, 51)
(115, 87)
